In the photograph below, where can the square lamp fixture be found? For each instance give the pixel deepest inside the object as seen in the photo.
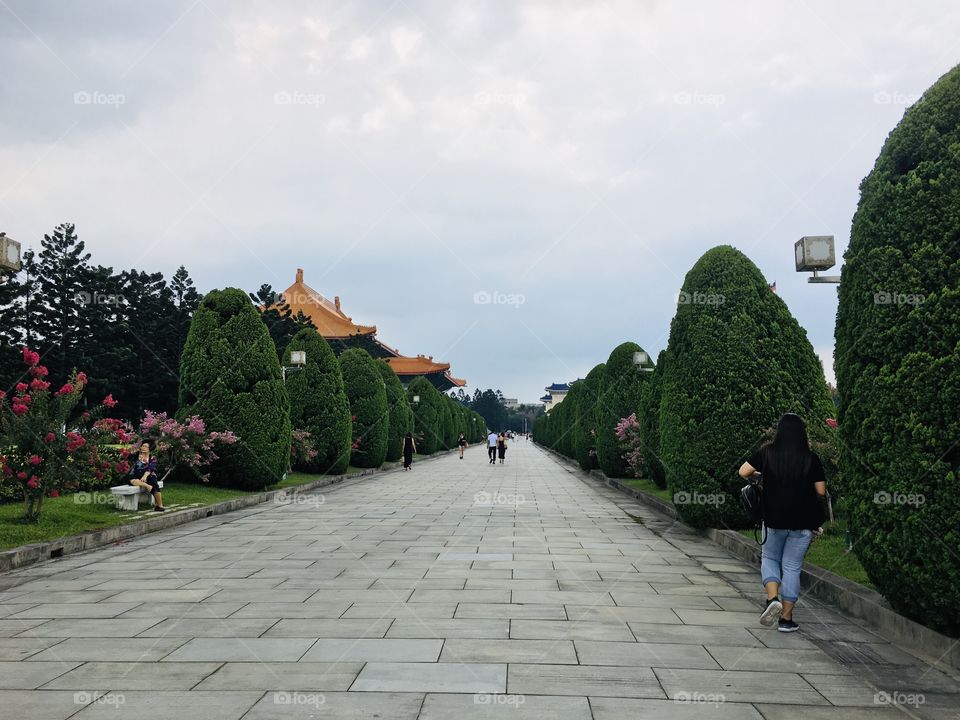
(815, 252)
(640, 358)
(9, 253)
(298, 357)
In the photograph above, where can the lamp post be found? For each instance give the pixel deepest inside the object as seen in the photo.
(642, 360)
(9, 253)
(298, 358)
(814, 253)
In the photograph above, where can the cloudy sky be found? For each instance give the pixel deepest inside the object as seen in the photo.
(513, 187)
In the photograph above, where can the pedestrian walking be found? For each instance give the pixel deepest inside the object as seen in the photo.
(793, 489)
(492, 447)
(462, 443)
(409, 448)
(502, 446)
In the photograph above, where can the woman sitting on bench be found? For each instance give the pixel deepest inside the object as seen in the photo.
(143, 474)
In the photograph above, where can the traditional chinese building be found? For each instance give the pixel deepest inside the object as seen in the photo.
(555, 394)
(342, 332)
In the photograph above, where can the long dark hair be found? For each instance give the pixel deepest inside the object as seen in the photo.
(788, 454)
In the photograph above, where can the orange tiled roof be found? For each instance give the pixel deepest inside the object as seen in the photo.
(330, 320)
(419, 365)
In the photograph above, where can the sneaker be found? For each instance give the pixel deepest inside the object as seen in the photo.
(771, 613)
(158, 508)
(787, 626)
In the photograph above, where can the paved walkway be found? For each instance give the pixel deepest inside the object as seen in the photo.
(458, 590)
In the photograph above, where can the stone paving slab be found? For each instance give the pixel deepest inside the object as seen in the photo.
(403, 597)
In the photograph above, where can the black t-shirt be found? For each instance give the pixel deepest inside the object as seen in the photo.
(790, 504)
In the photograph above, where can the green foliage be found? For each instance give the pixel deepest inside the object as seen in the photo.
(401, 416)
(592, 400)
(318, 404)
(649, 419)
(738, 360)
(230, 376)
(898, 363)
(427, 412)
(367, 395)
(625, 385)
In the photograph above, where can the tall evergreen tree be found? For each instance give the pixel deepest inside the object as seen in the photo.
(278, 317)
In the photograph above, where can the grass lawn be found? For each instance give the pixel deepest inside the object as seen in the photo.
(648, 487)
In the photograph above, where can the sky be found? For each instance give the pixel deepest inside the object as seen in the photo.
(513, 187)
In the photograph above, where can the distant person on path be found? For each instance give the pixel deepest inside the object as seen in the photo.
(409, 448)
(462, 443)
(502, 446)
(492, 447)
(792, 490)
(143, 474)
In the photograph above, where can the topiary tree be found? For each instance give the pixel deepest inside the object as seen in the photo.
(368, 406)
(425, 401)
(446, 422)
(401, 416)
(898, 363)
(737, 361)
(318, 403)
(625, 385)
(592, 399)
(649, 419)
(230, 376)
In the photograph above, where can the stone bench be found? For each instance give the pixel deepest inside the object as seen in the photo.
(128, 496)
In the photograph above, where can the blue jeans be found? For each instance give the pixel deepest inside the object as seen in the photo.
(781, 558)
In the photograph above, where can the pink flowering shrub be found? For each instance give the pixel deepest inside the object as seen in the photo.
(43, 446)
(302, 449)
(628, 435)
(179, 444)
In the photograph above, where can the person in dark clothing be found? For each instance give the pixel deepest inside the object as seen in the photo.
(792, 489)
(502, 446)
(143, 474)
(462, 443)
(409, 448)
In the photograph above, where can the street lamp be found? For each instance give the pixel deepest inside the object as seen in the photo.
(298, 358)
(815, 253)
(642, 361)
(416, 399)
(9, 253)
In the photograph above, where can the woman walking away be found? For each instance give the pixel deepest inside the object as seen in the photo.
(143, 474)
(502, 446)
(409, 448)
(462, 443)
(792, 490)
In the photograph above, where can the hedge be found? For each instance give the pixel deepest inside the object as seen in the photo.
(898, 363)
(230, 376)
(593, 397)
(318, 403)
(368, 405)
(738, 360)
(401, 416)
(426, 415)
(649, 419)
(625, 385)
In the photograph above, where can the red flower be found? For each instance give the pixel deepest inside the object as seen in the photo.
(21, 475)
(54, 493)
(22, 387)
(98, 475)
(49, 437)
(32, 482)
(29, 357)
(66, 389)
(20, 409)
(831, 422)
(109, 401)
(86, 416)
(3, 394)
(35, 460)
(37, 384)
(82, 378)
(39, 371)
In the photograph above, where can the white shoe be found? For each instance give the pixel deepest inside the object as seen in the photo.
(771, 613)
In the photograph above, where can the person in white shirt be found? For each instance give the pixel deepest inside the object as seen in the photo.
(492, 447)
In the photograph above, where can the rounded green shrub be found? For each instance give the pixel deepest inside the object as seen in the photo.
(737, 361)
(368, 407)
(426, 415)
(318, 403)
(649, 419)
(230, 376)
(447, 428)
(898, 363)
(592, 399)
(401, 416)
(625, 385)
